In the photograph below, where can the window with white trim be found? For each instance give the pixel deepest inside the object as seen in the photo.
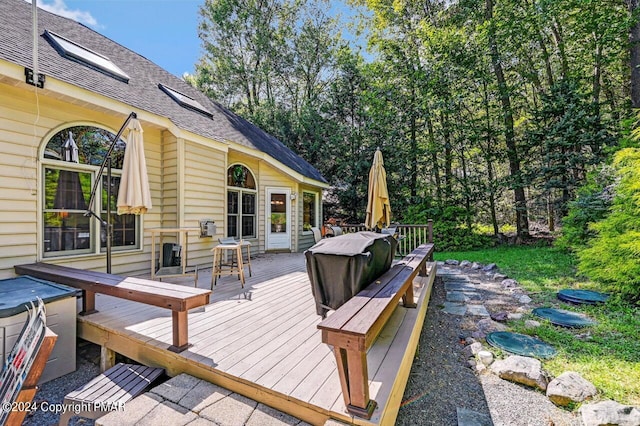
(309, 210)
(241, 202)
(70, 164)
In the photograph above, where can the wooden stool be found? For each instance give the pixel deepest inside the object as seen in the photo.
(110, 390)
(236, 267)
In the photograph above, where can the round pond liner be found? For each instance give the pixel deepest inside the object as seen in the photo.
(564, 318)
(520, 344)
(582, 297)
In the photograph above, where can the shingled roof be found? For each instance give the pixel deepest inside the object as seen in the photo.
(141, 92)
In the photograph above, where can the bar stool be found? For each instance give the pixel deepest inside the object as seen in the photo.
(237, 267)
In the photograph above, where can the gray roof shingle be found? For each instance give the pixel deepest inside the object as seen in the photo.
(141, 92)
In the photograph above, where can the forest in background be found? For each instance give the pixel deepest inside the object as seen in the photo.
(488, 112)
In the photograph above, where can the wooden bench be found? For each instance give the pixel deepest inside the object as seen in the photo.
(354, 326)
(109, 391)
(165, 295)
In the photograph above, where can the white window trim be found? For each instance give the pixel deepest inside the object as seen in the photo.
(317, 211)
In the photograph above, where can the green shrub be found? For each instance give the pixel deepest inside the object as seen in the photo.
(450, 231)
(591, 205)
(613, 255)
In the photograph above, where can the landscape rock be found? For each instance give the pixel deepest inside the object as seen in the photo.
(514, 316)
(472, 349)
(609, 413)
(478, 335)
(509, 283)
(451, 262)
(570, 387)
(465, 264)
(485, 357)
(487, 325)
(500, 316)
(523, 370)
(524, 299)
(490, 267)
(499, 277)
(531, 324)
(476, 265)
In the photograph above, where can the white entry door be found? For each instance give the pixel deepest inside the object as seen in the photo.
(278, 224)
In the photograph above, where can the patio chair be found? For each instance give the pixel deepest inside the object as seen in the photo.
(317, 235)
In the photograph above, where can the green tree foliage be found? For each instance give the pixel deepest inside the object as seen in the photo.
(613, 256)
(474, 103)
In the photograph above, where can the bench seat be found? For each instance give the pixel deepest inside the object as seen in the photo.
(354, 326)
(179, 299)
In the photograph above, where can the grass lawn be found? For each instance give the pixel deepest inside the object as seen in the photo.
(607, 354)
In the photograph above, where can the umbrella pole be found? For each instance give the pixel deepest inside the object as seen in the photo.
(107, 162)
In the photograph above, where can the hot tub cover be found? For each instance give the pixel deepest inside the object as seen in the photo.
(17, 293)
(341, 266)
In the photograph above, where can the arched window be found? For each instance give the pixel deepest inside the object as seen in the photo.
(241, 202)
(70, 165)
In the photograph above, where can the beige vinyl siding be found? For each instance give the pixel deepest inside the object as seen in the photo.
(169, 179)
(26, 126)
(204, 197)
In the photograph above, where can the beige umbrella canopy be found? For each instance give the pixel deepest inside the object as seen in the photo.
(134, 196)
(378, 207)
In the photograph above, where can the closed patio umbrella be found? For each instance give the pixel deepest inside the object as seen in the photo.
(134, 196)
(378, 207)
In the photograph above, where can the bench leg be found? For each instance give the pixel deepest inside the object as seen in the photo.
(88, 303)
(354, 380)
(408, 301)
(180, 331)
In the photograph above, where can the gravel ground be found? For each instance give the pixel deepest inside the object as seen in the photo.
(441, 380)
(53, 392)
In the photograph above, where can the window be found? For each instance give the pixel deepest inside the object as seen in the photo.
(185, 100)
(71, 161)
(241, 202)
(309, 210)
(79, 53)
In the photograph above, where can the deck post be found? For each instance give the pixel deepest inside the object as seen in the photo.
(354, 380)
(180, 331)
(88, 302)
(107, 358)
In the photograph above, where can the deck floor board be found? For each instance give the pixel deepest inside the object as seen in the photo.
(263, 336)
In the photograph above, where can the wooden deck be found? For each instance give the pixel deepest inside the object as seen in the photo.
(262, 342)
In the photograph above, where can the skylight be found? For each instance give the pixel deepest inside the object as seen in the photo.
(185, 100)
(72, 50)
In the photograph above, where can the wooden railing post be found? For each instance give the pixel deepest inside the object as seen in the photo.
(430, 231)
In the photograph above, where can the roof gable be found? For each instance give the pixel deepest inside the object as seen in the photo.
(141, 91)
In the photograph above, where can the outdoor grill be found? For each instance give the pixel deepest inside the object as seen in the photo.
(340, 267)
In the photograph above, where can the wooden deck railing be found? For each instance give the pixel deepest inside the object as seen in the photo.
(409, 236)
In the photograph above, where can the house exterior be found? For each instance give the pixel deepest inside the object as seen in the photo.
(204, 162)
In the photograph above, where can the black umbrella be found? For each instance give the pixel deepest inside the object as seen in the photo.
(69, 194)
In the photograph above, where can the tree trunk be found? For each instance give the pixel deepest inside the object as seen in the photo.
(435, 169)
(487, 157)
(634, 55)
(522, 220)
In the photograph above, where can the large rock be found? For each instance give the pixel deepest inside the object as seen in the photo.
(487, 325)
(570, 387)
(521, 369)
(609, 413)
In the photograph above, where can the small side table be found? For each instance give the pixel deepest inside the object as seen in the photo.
(237, 267)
